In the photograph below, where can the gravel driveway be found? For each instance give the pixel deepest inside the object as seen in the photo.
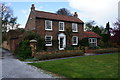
(13, 68)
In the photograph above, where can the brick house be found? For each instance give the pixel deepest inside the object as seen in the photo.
(59, 31)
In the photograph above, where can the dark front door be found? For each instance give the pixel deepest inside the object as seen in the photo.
(61, 42)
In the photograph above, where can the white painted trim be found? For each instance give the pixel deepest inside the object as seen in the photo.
(46, 26)
(92, 40)
(76, 40)
(64, 40)
(75, 26)
(63, 26)
(51, 40)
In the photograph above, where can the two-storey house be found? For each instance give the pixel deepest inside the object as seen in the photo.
(58, 31)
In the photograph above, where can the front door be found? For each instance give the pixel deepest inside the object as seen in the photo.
(62, 41)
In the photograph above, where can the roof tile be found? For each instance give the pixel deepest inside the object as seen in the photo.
(54, 16)
(91, 35)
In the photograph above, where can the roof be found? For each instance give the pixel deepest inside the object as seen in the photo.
(54, 16)
(91, 35)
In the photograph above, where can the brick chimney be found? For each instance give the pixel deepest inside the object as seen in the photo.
(76, 15)
(32, 7)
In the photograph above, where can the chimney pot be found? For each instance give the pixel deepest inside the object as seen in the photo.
(32, 7)
(76, 15)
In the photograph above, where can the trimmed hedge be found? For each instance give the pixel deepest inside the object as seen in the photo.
(107, 50)
(57, 55)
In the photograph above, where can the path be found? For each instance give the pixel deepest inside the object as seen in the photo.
(13, 68)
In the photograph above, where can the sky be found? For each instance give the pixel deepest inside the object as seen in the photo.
(101, 11)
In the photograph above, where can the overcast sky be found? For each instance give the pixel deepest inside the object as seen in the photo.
(101, 11)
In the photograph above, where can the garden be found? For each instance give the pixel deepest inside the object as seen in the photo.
(98, 66)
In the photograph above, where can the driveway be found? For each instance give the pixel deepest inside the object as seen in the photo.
(13, 68)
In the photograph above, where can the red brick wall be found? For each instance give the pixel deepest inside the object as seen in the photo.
(14, 44)
(40, 28)
(30, 25)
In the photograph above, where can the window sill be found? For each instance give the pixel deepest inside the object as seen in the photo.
(74, 44)
(74, 31)
(61, 30)
(48, 45)
(48, 29)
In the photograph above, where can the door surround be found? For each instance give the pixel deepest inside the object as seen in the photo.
(63, 36)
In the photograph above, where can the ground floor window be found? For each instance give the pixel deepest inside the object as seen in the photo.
(92, 42)
(74, 40)
(48, 40)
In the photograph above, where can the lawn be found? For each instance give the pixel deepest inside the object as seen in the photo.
(98, 66)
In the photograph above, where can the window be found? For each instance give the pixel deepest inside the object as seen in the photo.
(75, 40)
(48, 25)
(74, 27)
(93, 42)
(61, 26)
(48, 40)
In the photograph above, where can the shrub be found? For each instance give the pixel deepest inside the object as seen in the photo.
(84, 42)
(29, 35)
(57, 55)
(24, 50)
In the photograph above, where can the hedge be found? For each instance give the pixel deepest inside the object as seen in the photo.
(57, 55)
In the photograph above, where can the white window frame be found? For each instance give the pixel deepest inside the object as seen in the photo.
(63, 26)
(46, 25)
(91, 41)
(75, 27)
(45, 40)
(76, 40)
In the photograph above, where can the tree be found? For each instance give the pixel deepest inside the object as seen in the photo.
(108, 30)
(97, 30)
(64, 11)
(12, 22)
(116, 33)
(117, 24)
(7, 17)
(89, 25)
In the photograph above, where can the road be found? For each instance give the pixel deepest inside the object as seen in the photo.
(13, 68)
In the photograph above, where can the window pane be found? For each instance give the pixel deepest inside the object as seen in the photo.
(75, 40)
(48, 24)
(74, 27)
(61, 25)
(48, 40)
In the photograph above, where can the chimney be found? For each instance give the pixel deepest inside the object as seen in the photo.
(76, 15)
(32, 7)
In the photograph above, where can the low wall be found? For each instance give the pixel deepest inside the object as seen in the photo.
(58, 54)
(5, 45)
(106, 50)
(62, 51)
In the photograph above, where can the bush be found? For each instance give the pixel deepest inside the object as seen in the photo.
(29, 35)
(84, 42)
(24, 50)
(57, 55)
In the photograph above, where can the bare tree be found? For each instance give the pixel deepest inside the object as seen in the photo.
(7, 17)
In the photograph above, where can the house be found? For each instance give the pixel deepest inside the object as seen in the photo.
(58, 31)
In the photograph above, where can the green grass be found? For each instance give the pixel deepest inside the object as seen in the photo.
(98, 66)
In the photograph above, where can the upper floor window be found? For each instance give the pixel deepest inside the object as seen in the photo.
(75, 40)
(48, 40)
(74, 27)
(61, 26)
(48, 25)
